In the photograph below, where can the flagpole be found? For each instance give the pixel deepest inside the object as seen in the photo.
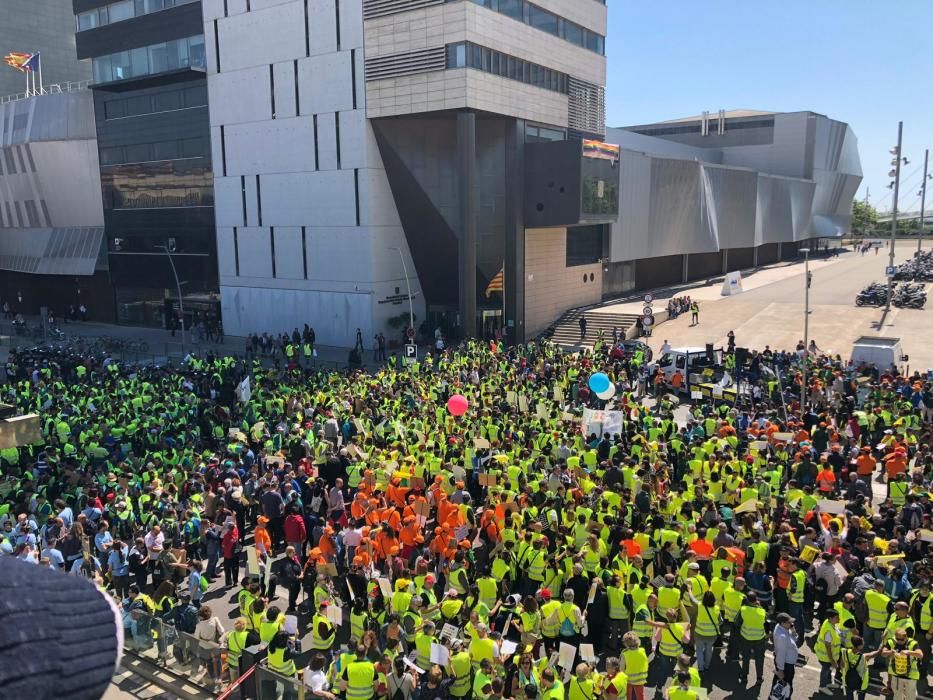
(503, 298)
(27, 82)
(41, 88)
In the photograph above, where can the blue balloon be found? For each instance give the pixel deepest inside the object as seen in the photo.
(599, 382)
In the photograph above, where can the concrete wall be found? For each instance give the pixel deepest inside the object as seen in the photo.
(550, 286)
(306, 223)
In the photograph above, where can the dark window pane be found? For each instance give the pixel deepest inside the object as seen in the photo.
(584, 245)
(573, 33)
(110, 156)
(594, 42)
(165, 150)
(487, 60)
(192, 148)
(196, 96)
(138, 153)
(166, 101)
(476, 56)
(543, 20)
(511, 8)
(138, 105)
(115, 109)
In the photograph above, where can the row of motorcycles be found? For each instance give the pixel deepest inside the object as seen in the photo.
(918, 269)
(905, 296)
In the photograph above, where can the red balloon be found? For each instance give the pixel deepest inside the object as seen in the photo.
(457, 405)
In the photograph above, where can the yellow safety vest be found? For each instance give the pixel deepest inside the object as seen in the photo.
(360, 677)
(277, 663)
(636, 666)
(236, 643)
(461, 666)
(824, 654)
(671, 643)
(877, 604)
(753, 623)
(317, 641)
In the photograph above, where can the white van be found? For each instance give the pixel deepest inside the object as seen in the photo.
(690, 361)
(883, 353)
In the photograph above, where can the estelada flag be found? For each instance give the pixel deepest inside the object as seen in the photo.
(497, 283)
(19, 61)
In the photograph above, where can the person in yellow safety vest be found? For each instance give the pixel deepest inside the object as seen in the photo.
(569, 618)
(921, 609)
(682, 689)
(582, 685)
(636, 664)
(615, 682)
(904, 658)
(846, 610)
(855, 668)
(828, 649)
(878, 605)
(322, 629)
(618, 613)
(706, 630)
(529, 620)
(460, 669)
(359, 677)
(695, 585)
(750, 623)
(644, 619)
(550, 626)
(482, 647)
(236, 643)
(899, 619)
(669, 596)
(423, 641)
(271, 624)
(796, 596)
(535, 562)
(281, 659)
(732, 599)
(551, 687)
(671, 643)
(482, 680)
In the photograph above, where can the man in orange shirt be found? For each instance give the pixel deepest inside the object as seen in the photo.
(865, 464)
(895, 463)
(826, 479)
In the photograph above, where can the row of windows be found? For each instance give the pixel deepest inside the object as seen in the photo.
(547, 21)
(160, 150)
(160, 102)
(119, 11)
(469, 55)
(539, 134)
(149, 60)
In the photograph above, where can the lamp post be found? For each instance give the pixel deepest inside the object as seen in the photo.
(896, 174)
(411, 307)
(181, 303)
(806, 326)
(923, 196)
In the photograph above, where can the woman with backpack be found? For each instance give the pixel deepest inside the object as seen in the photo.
(209, 632)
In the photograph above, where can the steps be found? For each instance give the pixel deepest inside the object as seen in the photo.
(566, 330)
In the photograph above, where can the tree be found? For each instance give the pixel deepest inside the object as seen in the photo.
(864, 218)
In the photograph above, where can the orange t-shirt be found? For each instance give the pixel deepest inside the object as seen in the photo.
(825, 480)
(865, 464)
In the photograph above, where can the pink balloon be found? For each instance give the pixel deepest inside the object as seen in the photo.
(457, 405)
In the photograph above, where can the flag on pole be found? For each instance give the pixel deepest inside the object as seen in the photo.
(497, 283)
(21, 61)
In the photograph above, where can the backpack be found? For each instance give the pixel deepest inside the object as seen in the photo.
(186, 620)
(203, 583)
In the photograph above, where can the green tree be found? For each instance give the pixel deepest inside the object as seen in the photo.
(864, 218)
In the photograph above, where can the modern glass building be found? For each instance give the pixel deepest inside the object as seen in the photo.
(153, 136)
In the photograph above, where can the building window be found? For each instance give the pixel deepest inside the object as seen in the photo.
(469, 55)
(150, 60)
(547, 21)
(584, 245)
(121, 11)
(537, 134)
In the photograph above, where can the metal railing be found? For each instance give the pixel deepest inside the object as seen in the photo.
(53, 89)
(179, 653)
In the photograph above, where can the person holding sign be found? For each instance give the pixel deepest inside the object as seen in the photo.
(904, 658)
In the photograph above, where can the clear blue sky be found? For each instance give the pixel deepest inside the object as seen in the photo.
(865, 62)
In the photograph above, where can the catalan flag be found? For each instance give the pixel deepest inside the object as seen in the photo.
(22, 62)
(497, 283)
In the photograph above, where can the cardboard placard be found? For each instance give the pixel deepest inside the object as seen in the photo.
(566, 654)
(523, 403)
(481, 444)
(487, 479)
(888, 558)
(588, 654)
(408, 662)
(335, 615)
(511, 397)
(507, 648)
(782, 437)
(926, 535)
(832, 507)
(385, 587)
(558, 394)
(449, 631)
(809, 554)
(422, 508)
(291, 624)
(749, 506)
(758, 445)
(541, 411)
(440, 655)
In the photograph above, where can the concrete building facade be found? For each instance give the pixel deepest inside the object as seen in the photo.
(46, 26)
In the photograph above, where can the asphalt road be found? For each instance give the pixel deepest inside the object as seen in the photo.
(773, 314)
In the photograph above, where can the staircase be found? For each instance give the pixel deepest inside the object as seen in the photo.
(566, 330)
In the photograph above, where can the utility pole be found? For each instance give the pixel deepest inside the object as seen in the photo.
(923, 197)
(897, 186)
(806, 327)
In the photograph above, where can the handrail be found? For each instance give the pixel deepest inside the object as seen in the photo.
(233, 686)
(53, 89)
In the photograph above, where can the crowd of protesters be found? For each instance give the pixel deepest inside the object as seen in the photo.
(459, 528)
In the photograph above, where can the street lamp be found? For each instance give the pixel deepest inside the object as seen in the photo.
(181, 303)
(806, 326)
(411, 307)
(896, 162)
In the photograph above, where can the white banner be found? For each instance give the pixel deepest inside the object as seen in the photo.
(732, 284)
